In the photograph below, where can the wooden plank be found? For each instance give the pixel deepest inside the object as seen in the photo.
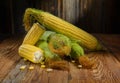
(8, 55)
(16, 75)
(106, 70)
(37, 75)
(48, 5)
(59, 7)
(111, 42)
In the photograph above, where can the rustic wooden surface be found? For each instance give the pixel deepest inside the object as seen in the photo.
(107, 69)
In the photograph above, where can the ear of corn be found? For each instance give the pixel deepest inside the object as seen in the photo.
(31, 53)
(33, 34)
(58, 25)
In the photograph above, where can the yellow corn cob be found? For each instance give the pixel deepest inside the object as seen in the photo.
(33, 34)
(31, 53)
(56, 24)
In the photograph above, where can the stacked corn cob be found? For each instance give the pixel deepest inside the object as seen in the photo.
(58, 25)
(27, 49)
(36, 32)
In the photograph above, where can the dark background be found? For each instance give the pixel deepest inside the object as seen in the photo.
(94, 16)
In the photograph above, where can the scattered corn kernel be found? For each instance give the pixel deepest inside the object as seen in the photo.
(23, 67)
(42, 63)
(79, 66)
(73, 61)
(31, 68)
(43, 66)
(49, 70)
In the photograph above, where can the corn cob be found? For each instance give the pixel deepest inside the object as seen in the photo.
(61, 26)
(33, 34)
(32, 53)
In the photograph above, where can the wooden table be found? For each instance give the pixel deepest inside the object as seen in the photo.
(107, 69)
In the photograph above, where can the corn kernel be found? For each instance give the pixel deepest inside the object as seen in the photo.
(49, 70)
(73, 61)
(31, 68)
(43, 66)
(79, 66)
(23, 67)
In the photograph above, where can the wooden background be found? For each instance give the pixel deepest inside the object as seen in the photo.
(94, 16)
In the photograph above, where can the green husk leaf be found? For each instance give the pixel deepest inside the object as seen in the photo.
(77, 50)
(47, 53)
(46, 35)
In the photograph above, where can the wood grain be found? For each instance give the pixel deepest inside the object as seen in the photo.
(8, 55)
(106, 70)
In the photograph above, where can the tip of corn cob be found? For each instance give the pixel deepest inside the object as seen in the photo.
(31, 53)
